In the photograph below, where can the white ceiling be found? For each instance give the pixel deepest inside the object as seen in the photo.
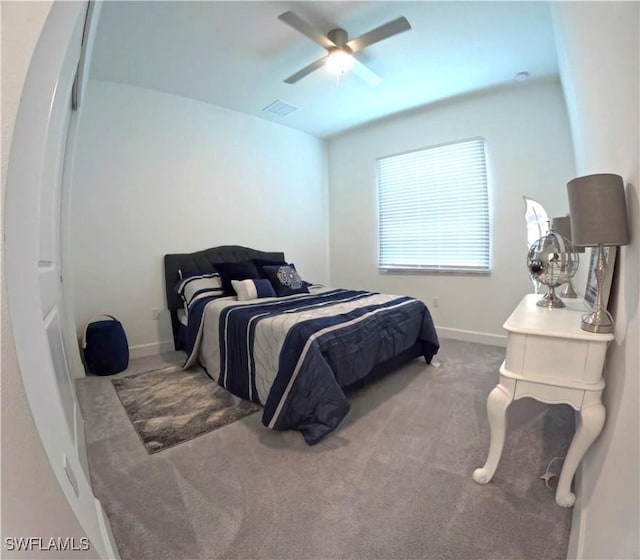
(236, 54)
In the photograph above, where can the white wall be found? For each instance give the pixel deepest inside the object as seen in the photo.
(33, 503)
(157, 173)
(529, 153)
(598, 46)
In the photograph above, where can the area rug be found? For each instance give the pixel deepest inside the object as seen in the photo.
(171, 406)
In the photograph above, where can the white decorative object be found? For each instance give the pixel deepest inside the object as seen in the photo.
(537, 220)
(551, 359)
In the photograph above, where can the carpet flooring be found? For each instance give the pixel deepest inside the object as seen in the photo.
(170, 406)
(394, 481)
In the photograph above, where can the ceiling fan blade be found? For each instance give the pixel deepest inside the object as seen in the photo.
(303, 27)
(307, 70)
(379, 33)
(363, 72)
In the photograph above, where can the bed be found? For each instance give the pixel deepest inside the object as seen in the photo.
(294, 354)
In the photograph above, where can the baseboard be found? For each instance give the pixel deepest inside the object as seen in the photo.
(110, 548)
(575, 549)
(472, 336)
(152, 349)
(155, 348)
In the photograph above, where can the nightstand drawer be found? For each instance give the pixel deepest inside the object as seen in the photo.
(563, 359)
(550, 394)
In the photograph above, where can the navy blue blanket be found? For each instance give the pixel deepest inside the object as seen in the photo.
(295, 355)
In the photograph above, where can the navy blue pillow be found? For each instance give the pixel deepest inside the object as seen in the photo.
(266, 262)
(228, 271)
(285, 280)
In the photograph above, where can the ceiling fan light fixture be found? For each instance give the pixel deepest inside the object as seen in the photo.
(339, 61)
(340, 49)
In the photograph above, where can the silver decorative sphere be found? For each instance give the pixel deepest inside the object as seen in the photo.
(552, 261)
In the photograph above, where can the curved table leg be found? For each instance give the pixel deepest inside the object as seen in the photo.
(497, 403)
(591, 422)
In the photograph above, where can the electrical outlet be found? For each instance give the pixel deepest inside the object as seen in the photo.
(436, 302)
(155, 314)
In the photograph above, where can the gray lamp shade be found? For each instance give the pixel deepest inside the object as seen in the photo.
(598, 210)
(562, 225)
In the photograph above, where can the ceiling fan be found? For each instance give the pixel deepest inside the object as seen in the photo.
(340, 49)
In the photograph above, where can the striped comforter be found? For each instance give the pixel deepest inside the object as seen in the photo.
(294, 355)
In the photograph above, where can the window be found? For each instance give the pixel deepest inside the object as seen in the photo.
(434, 209)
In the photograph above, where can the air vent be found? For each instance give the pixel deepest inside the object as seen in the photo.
(280, 108)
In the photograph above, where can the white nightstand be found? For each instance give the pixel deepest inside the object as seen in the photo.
(551, 359)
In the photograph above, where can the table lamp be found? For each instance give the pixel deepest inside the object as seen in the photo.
(562, 225)
(598, 218)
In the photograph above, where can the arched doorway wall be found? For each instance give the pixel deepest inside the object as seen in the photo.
(40, 153)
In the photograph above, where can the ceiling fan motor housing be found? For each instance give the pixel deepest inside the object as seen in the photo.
(338, 36)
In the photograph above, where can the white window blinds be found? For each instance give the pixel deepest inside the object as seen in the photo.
(434, 209)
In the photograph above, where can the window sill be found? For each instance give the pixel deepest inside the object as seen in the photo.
(436, 271)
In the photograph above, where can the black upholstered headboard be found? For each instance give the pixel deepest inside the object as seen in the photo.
(204, 261)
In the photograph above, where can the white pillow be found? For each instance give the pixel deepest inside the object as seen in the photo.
(193, 288)
(253, 289)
